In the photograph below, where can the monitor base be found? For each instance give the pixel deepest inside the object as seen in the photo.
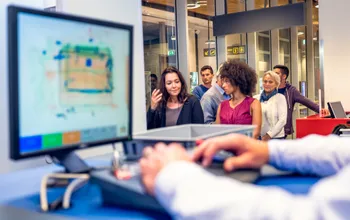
(72, 162)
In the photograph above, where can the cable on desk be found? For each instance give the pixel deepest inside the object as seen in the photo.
(43, 187)
(72, 187)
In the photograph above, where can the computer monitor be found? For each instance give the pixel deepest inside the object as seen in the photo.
(69, 82)
(336, 110)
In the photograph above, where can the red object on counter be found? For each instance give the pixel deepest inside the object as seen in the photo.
(315, 124)
(121, 174)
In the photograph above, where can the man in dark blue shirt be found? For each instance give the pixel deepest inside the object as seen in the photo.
(207, 75)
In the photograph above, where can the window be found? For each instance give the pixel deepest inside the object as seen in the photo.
(159, 41)
(233, 6)
(202, 44)
(264, 56)
(284, 50)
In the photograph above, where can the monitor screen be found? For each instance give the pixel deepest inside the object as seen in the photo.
(336, 109)
(70, 82)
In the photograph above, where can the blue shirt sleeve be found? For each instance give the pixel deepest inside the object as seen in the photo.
(196, 92)
(208, 110)
(314, 154)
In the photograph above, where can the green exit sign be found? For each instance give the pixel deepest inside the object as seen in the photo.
(171, 52)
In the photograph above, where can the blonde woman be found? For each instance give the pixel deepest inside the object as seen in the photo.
(274, 108)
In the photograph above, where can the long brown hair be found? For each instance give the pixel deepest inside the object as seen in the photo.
(183, 93)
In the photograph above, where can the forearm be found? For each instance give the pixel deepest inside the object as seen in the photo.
(281, 106)
(319, 155)
(189, 192)
(256, 132)
(277, 128)
(196, 93)
(209, 114)
(151, 118)
(209, 119)
(197, 113)
(308, 103)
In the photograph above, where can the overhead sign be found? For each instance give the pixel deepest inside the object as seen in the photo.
(209, 52)
(236, 50)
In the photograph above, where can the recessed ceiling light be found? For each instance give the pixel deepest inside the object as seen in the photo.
(210, 42)
(192, 4)
(202, 2)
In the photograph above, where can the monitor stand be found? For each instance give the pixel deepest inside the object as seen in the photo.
(72, 162)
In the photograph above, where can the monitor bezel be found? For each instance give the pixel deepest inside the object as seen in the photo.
(334, 113)
(13, 81)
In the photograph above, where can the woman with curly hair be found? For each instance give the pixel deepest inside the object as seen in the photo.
(171, 104)
(239, 80)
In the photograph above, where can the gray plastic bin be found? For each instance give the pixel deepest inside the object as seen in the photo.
(184, 134)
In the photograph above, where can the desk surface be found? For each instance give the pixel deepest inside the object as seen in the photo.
(12, 213)
(21, 190)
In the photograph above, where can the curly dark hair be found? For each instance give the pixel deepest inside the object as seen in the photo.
(183, 93)
(241, 75)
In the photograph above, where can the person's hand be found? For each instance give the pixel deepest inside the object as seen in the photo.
(324, 111)
(155, 159)
(156, 98)
(266, 137)
(249, 153)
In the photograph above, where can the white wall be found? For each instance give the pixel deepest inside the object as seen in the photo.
(49, 3)
(335, 33)
(6, 164)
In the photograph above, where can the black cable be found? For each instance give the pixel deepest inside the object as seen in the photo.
(47, 161)
(58, 203)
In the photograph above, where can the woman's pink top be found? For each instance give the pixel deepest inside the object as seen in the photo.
(238, 115)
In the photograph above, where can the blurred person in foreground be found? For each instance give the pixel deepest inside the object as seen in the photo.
(187, 191)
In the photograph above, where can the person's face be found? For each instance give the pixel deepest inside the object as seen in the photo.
(153, 83)
(279, 72)
(269, 84)
(227, 86)
(207, 76)
(172, 84)
(219, 81)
